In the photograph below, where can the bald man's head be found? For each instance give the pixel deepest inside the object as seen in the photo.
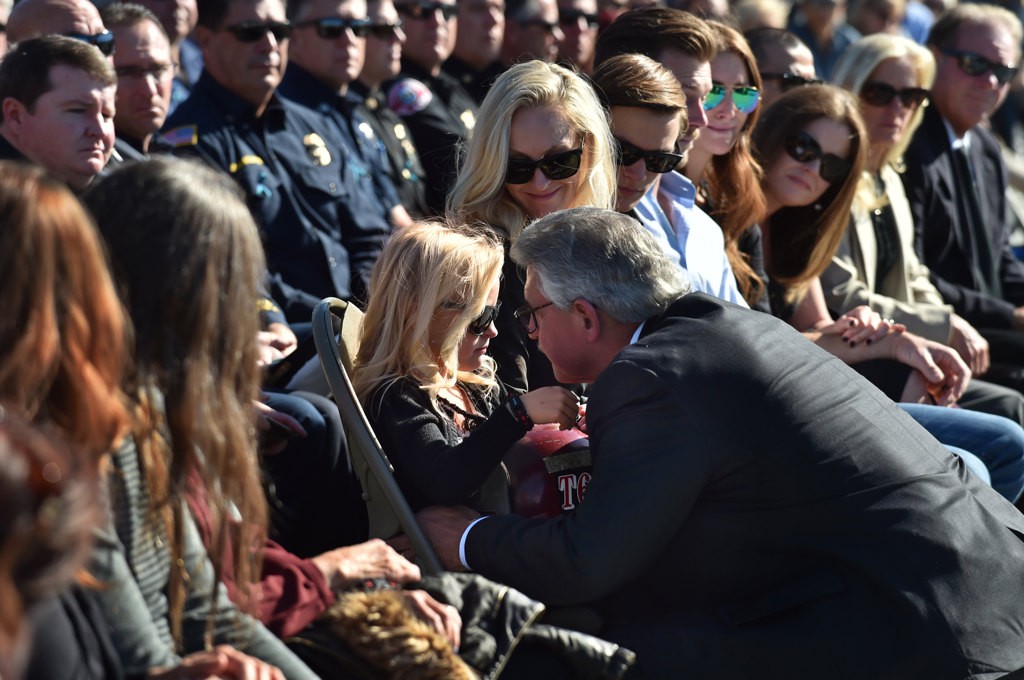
(32, 18)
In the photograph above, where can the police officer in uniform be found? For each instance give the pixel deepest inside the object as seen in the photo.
(321, 233)
(382, 63)
(326, 53)
(437, 110)
(474, 61)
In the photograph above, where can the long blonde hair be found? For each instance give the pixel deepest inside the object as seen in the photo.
(479, 193)
(422, 268)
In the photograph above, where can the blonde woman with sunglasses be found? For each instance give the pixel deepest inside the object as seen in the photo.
(541, 144)
(423, 373)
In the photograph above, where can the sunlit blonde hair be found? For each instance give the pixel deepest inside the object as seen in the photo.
(861, 59)
(479, 193)
(422, 269)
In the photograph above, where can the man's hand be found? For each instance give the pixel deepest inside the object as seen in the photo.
(968, 342)
(444, 526)
(275, 428)
(939, 370)
(1018, 319)
(345, 567)
(223, 663)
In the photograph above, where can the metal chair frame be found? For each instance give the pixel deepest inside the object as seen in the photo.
(388, 510)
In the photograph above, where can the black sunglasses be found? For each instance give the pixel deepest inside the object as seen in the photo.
(332, 28)
(570, 17)
(973, 64)
(527, 316)
(790, 80)
(882, 94)
(803, 148)
(251, 31)
(104, 41)
(548, 27)
(480, 324)
(559, 165)
(384, 31)
(627, 154)
(425, 9)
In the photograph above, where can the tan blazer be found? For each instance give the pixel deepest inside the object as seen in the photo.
(907, 295)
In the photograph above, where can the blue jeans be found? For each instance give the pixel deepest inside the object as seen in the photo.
(997, 441)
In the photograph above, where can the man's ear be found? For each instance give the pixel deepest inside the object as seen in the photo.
(202, 36)
(14, 114)
(588, 318)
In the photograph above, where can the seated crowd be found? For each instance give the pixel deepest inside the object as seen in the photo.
(785, 315)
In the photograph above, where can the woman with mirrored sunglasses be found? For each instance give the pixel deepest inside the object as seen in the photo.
(423, 373)
(723, 167)
(541, 144)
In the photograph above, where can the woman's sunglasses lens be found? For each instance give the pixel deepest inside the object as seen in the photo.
(745, 98)
(715, 97)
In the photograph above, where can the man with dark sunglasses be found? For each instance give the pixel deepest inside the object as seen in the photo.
(437, 110)
(579, 20)
(532, 31)
(784, 61)
(321, 234)
(475, 60)
(326, 51)
(382, 62)
(956, 182)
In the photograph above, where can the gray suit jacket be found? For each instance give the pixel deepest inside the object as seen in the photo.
(757, 509)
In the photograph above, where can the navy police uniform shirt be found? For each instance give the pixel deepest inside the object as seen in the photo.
(320, 235)
(476, 83)
(395, 145)
(440, 114)
(362, 156)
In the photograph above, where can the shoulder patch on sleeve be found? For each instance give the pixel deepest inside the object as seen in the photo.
(186, 135)
(409, 96)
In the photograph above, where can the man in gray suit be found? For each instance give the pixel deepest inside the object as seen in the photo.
(757, 509)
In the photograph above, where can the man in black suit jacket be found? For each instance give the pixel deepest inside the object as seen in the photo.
(961, 215)
(757, 509)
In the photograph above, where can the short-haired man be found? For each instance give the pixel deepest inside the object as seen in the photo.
(286, 158)
(680, 42)
(382, 62)
(474, 61)
(785, 506)
(437, 110)
(956, 182)
(532, 31)
(326, 54)
(57, 108)
(145, 71)
(178, 17)
(784, 61)
(579, 21)
(648, 111)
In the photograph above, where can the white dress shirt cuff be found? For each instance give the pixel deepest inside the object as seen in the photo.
(462, 542)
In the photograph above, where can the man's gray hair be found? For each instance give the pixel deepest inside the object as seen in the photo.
(604, 257)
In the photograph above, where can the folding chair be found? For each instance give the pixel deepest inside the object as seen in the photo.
(388, 510)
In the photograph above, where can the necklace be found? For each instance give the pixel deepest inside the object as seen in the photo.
(470, 420)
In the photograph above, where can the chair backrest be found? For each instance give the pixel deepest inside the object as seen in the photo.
(388, 510)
